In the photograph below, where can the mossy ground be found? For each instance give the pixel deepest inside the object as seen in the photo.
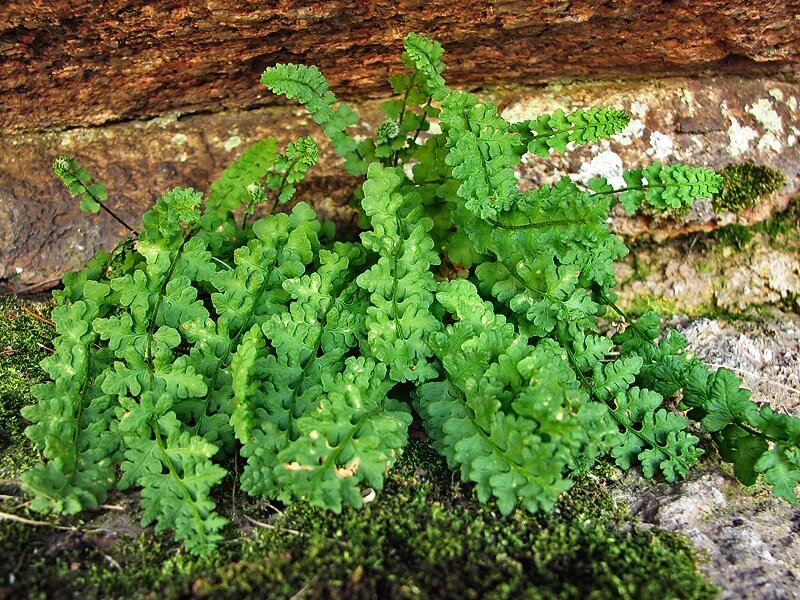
(423, 536)
(782, 230)
(23, 343)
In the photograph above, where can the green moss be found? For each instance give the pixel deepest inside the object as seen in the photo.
(23, 343)
(744, 184)
(785, 225)
(647, 302)
(422, 537)
(737, 236)
(780, 231)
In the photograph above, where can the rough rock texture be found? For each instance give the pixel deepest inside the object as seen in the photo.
(85, 63)
(702, 279)
(750, 539)
(749, 544)
(765, 354)
(43, 233)
(709, 122)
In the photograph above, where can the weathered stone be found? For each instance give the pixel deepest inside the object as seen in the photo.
(748, 538)
(708, 277)
(43, 234)
(748, 543)
(82, 63)
(711, 122)
(766, 355)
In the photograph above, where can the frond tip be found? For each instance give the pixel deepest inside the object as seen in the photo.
(556, 130)
(309, 87)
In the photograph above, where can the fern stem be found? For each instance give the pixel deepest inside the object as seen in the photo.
(282, 184)
(396, 258)
(757, 433)
(640, 188)
(310, 361)
(481, 431)
(422, 122)
(162, 288)
(541, 224)
(395, 156)
(610, 303)
(114, 215)
(102, 205)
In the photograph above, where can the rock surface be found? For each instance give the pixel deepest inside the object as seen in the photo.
(703, 278)
(72, 63)
(750, 540)
(749, 544)
(43, 234)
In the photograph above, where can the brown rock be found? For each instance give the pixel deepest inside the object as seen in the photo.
(82, 63)
(708, 122)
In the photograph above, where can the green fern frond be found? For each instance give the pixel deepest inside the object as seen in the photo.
(425, 55)
(481, 153)
(230, 191)
(556, 130)
(400, 284)
(309, 87)
(673, 187)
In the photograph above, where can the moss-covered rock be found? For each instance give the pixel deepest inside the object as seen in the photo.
(744, 184)
(23, 343)
(422, 537)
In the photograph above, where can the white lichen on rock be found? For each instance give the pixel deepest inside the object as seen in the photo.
(606, 164)
(739, 137)
(661, 146)
(634, 130)
(232, 142)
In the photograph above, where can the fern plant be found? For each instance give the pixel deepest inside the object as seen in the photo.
(468, 304)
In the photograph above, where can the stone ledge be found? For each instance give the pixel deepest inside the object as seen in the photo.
(708, 122)
(79, 62)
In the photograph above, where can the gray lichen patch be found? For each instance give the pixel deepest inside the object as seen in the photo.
(765, 354)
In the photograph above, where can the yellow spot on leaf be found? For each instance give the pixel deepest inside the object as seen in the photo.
(296, 466)
(349, 470)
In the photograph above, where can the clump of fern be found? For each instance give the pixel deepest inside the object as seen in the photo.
(212, 334)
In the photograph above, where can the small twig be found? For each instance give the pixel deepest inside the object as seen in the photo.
(304, 590)
(111, 561)
(112, 507)
(288, 530)
(9, 517)
(46, 348)
(273, 507)
(270, 526)
(38, 316)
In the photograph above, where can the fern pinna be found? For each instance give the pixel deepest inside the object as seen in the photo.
(210, 333)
